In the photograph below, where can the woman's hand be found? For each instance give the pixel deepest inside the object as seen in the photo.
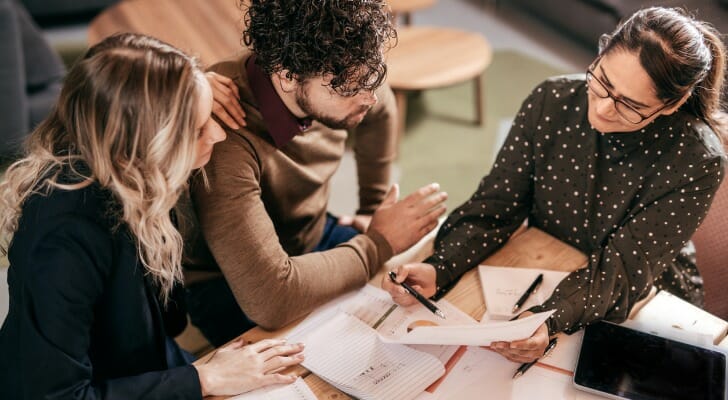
(226, 97)
(237, 368)
(526, 350)
(420, 276)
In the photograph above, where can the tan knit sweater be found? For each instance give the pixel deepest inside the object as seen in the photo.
(265, 209)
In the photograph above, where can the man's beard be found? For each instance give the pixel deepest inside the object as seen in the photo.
(347, 122)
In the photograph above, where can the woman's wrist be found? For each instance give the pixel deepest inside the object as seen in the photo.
(205, 379)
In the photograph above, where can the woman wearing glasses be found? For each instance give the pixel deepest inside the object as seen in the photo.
(621, 164)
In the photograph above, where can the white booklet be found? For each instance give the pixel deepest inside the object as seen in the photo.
(503, 286)
(348, 354)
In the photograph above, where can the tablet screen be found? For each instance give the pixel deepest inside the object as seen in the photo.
(627, 363)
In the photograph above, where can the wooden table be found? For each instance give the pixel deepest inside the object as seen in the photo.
(209, 29)
(532, 248)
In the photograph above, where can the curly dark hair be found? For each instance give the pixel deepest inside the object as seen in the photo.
(344, 38)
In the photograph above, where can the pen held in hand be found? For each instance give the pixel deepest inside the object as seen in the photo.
(531, 289)
(422, 299)
(526, 366)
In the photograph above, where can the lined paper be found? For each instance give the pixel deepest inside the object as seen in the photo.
(349, 355)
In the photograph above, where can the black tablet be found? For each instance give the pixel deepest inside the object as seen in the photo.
(620, 362)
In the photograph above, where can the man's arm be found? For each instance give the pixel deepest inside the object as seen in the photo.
(375, 148)
(271, 287)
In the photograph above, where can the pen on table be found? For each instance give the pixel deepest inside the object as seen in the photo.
(531, 289)
(422, 299)
(524, 367)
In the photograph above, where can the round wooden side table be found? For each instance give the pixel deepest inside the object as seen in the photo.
(433, 57)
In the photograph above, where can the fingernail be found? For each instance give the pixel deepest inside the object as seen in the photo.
(436, 186)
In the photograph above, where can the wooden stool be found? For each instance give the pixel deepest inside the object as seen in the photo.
(406, 7)
(433, 57)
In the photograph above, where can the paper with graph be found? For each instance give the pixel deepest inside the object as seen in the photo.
(474, 334)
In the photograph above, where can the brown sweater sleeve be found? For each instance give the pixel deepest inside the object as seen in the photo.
(271, 287)
(374, 148)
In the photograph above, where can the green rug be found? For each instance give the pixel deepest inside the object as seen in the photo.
(443, 144)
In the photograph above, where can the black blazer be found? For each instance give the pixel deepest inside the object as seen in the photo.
(84, 321)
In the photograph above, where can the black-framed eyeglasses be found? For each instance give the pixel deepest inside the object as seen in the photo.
(624, 110)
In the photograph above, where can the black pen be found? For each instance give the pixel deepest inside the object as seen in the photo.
(531, 289)
(422, 299)
(524, 367)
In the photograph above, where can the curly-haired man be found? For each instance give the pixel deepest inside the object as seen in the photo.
(314, 76)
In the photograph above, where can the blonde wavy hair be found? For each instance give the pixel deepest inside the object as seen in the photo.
(127, 113)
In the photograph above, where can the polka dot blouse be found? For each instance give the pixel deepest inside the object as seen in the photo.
(630, 201)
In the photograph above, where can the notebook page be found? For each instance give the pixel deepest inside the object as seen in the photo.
(348, 354)
(297, 390)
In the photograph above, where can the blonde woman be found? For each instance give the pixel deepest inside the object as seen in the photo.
(95, 254)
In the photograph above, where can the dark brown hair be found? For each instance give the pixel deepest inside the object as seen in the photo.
(681, 55)
(344, 38)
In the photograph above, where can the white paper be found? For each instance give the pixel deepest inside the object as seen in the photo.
(297, 390)
(666, 310)
(375, 307)
(482, 373)
(472, 335)
(349, 355)
(503, 286)
(566, 352)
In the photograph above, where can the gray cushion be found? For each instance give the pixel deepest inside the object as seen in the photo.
(30, 76)
(61, 8)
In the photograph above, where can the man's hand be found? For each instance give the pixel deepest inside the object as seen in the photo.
(420, 276)
(525, 350)
(358, 222)
(403, 223)
(226, 97)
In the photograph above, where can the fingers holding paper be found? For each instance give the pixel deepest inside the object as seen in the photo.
(420, 276)
(525, 350)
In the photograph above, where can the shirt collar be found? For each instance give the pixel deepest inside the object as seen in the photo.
(282, 125)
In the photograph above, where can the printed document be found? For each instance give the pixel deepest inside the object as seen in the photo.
(348, 354)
